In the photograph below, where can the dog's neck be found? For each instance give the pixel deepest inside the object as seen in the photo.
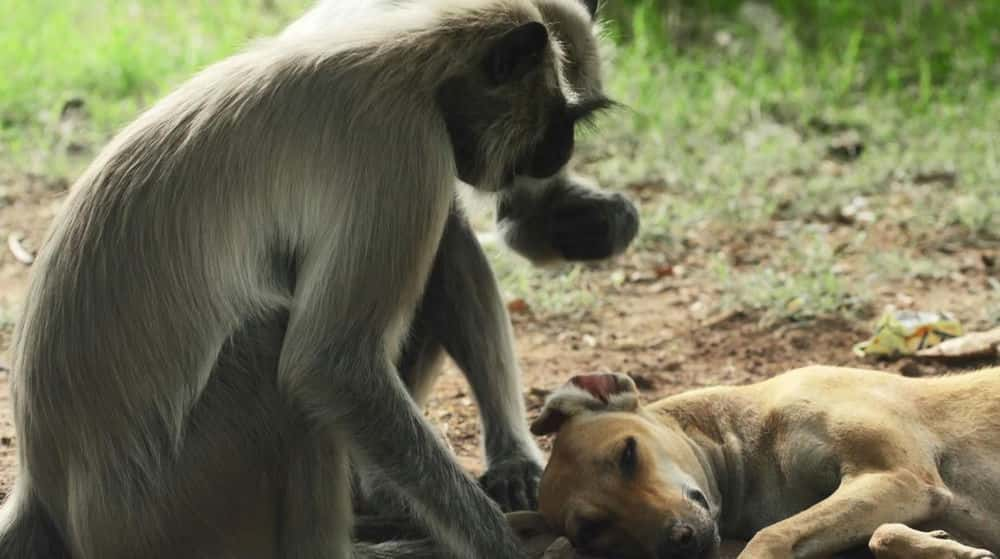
(715, 430)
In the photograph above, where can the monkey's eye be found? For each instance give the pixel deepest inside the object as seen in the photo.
(588, 530)
(628, 459)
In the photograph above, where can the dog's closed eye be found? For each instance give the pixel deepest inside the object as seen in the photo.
(698, 498)
(628, 460)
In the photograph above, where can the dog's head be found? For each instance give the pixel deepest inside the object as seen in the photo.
(619, 483)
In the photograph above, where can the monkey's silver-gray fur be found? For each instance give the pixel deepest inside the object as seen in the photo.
(463, 313)
(279, 212)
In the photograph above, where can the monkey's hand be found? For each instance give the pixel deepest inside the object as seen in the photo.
(592, 227)
(562, 219)
(513, 483)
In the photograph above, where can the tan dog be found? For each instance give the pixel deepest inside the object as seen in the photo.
(808, 464)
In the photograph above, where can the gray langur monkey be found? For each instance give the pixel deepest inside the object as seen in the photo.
(462, 312)
(213, 322)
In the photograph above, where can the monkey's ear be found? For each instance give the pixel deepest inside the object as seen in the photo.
(585, 394)
(591, 7)
(516, 52)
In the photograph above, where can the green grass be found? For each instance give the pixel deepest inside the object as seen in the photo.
(732, 107)
(800, 283)
(559, 290)
(724, 109)
(117, 56)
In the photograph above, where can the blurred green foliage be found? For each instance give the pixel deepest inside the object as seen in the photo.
(920, 45)
(731, 109)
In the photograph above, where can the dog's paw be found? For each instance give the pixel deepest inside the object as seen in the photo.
(898, 541)
(513, 484)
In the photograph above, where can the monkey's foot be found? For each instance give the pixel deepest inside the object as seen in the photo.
(896, 541)
(513, 483)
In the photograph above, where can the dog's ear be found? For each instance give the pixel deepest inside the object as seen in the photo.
(586, 394)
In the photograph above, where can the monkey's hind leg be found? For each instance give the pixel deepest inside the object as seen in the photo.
(316, 513)
(218, 498)
(26, 530)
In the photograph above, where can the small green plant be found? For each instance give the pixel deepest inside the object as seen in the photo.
(556, 291)
(115, 56)
(733, 105)
(801, 283)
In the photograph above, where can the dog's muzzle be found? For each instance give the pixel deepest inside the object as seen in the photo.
(683, 540)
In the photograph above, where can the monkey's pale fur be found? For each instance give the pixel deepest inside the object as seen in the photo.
(462, 312)
(307, 179)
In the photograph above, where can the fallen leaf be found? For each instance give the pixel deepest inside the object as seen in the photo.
(664, 271)
(518, 306)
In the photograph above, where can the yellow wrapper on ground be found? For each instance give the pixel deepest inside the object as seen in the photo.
(907, 332)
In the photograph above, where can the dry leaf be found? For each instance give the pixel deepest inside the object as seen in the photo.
(518, 306)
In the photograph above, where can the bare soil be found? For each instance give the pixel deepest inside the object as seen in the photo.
(658, 326)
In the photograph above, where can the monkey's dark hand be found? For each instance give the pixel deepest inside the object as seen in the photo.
(513, 483)
(592, 227)
(561, 219)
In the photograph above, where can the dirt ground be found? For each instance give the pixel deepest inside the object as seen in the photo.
(658, 325)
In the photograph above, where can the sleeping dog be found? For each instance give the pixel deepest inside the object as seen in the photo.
(807, 464)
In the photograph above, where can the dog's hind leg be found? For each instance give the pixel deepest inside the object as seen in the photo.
(897, 541)
(849, 516)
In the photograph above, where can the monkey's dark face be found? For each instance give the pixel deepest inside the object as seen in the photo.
(514, 114)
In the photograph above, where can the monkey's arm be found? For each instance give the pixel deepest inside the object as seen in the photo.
(563, 219)
(347, 381)
(464, 312)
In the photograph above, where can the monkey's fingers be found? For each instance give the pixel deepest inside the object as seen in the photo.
(593, 228)
(513, 485)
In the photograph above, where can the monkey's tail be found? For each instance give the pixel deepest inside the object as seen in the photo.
(27, 530)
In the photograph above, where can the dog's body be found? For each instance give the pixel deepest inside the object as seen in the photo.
(807, 464)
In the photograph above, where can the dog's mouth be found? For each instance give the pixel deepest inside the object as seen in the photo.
(715, 546)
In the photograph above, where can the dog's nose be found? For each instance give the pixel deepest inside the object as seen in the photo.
(678, 542)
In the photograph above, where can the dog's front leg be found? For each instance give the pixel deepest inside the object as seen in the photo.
(849, 516)
(897, 541)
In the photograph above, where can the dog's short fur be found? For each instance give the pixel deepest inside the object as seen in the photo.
(807, 464)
